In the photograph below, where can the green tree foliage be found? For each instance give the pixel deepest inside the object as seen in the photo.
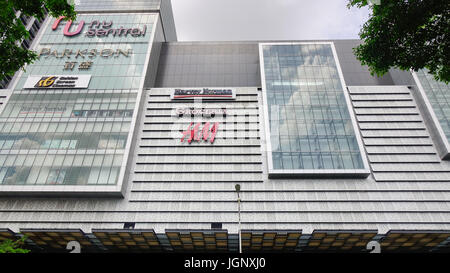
(9, 246)
(406, 34)
(13, 32)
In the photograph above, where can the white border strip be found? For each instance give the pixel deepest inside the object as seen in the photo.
(121, 178)
(434, 119)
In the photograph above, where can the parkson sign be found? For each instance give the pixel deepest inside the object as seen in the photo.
(99, 29)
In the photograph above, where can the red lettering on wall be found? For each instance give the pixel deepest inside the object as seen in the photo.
(66, 29)
(195, 134)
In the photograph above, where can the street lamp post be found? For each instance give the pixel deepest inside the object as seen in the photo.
(238, 189)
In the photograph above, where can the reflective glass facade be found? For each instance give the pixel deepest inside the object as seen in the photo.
(438, 94)
(116, 5)
(310, 124)
(76, 136)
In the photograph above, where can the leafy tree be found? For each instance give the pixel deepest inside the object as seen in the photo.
(406, 34)
(9, 246)
(12, 31)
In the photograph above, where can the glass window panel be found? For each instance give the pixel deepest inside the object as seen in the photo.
(113, 175)
(103, 176)
(439, 98)
(43, 174)
(88, 160)
(93, 175)
(32, 177)
(308, 109)
(307, 161)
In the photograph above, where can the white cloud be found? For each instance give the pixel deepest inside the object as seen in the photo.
(229, 20)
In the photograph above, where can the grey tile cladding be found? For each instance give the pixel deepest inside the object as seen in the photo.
(191, 64)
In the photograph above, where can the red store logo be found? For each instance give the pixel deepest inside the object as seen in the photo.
(195, 134)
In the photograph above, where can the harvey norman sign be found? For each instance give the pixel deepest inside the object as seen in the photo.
(203, 93)
(57, 81)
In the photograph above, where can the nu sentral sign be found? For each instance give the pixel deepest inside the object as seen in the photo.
(203, 93)
(57, 81)
(99, 28)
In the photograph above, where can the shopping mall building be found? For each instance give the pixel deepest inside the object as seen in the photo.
(123, 139)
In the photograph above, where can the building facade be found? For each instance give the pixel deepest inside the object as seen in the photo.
(123, 139)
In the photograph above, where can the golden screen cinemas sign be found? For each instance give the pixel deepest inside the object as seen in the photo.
(57, 81)
(203, 93)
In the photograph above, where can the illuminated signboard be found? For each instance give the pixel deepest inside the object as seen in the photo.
(99, 29)
(203, 93)
(57, 81)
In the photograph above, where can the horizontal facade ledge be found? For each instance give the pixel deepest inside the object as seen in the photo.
(168, 116)
(205, 145)
(386, 111)
(378, 98)
(189, 105)
(81, 191)
(398, 145)
(206, 101)
(214, 190)
(202, 172)
(394, 137)
(200, 154)
(363, 173)
(202, 121)
(403, 170)
(379, 201)
(405, 158)
(379, 92)
(388, 118)
(242, 129)
(232, 211)
(305, 185)
(207, 164)
(143, 160)
(393, 129)
(320, 196)
(179, 139)
(385, 107)
(401, 121)
(196, 181)
(231, 222)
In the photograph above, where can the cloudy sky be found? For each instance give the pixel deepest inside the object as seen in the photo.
(234, 20)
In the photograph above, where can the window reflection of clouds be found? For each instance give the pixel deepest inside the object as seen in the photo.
(438, 94)
(309, 120)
